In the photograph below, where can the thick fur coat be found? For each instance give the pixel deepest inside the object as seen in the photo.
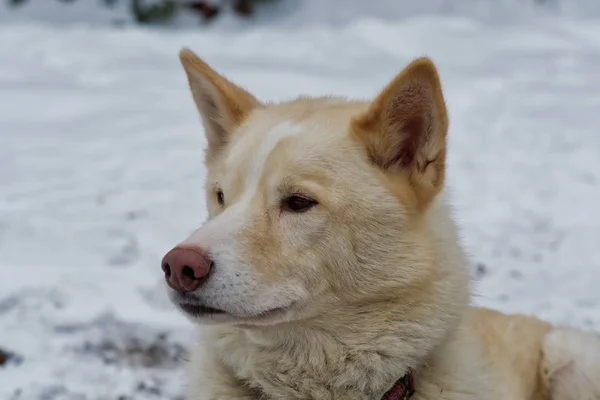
(332, 265)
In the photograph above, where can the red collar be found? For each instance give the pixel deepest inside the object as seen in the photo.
(403, 389)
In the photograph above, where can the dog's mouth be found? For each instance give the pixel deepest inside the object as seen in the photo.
(198, 310)
(192, 307)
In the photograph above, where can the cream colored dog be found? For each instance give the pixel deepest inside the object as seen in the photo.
(330, 267)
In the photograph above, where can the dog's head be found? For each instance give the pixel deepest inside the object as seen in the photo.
(315, 204)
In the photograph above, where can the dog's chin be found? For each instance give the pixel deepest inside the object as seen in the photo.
(205, 315)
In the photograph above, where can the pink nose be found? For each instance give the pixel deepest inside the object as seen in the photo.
(186, 269)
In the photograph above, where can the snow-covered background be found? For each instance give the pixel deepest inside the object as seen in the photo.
(101, 164)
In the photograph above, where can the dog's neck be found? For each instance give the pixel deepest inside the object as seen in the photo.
(348, 354)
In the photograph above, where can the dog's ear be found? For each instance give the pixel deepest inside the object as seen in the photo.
(404, 129)
(222, 104)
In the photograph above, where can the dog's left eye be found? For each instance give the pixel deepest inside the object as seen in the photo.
(220, 197)
(298, 204)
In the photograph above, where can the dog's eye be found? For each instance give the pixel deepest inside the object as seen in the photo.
(298, 204)
(220, 197)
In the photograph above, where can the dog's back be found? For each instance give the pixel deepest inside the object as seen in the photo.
(538, 360)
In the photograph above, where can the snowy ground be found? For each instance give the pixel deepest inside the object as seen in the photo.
(100, 174)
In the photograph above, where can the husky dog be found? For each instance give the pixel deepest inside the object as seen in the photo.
(330, 267)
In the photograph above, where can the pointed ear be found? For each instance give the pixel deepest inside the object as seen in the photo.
(404, 129)
(222, 104)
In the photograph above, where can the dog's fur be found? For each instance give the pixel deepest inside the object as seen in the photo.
(342, 298)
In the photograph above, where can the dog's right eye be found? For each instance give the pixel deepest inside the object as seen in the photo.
(298, 204)
(220, 197)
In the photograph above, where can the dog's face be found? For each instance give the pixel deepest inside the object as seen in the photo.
(315, 204)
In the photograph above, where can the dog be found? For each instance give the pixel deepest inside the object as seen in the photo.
(330, 268)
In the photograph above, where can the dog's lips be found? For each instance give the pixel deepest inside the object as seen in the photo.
(198, 310)
(194, 308)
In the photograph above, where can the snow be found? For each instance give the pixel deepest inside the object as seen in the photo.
(286, 14)
(101, 171)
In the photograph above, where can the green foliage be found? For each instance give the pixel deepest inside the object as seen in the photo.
(162, 11)
(153, 13)
(16, 2)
